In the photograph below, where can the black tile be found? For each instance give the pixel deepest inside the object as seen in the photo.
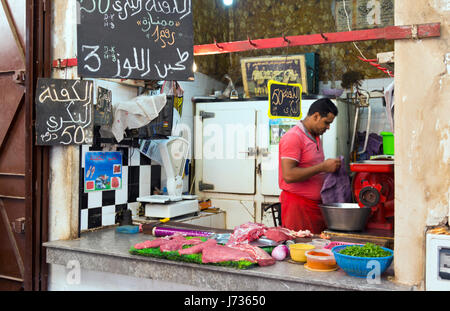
(155, 181)
(144, 160)
(95, 148)
(124, 151)
(83, 197)
(133, 193)
(133, 175)
(108, 197)
(84, 200)
(94, 217)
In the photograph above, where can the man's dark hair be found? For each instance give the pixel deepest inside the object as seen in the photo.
(323, 106)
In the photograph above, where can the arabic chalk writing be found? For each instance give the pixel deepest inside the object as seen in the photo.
(136, 39)
(64, 112)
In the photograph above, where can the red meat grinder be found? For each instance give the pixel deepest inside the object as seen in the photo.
(373, 186)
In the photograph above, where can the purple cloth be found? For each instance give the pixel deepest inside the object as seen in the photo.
(337, 186)
(374, 144)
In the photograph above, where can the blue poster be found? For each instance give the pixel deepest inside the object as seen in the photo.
(102, 171)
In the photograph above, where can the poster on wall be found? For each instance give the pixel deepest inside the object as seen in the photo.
(277, 128)
(363, 14)
(102, 171)
(103, 114)
(258, 71)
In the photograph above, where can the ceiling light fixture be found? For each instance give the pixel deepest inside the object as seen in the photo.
(228, 2)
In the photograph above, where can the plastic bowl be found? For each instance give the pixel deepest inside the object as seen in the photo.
(332, 92)
(361, 266)
(297, 251)
(320, 259)
(320, 243)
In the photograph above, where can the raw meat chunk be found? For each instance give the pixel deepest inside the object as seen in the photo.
(278, 234)
(261, 256)
(197, 248)
(219, 253)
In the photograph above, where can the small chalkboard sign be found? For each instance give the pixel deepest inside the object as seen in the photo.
(103, 108)
(64, 112)
(143, 40)
(284, 100)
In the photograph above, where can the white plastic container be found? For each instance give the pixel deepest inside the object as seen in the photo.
(320, 260)
(320, 243)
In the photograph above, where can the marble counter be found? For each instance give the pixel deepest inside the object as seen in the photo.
(107, 251)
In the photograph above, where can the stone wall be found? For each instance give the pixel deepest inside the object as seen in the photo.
(258, 19)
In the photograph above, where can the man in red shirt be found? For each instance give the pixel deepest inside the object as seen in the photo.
(302, 168)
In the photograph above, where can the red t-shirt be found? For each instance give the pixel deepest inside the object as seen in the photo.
(299, 145)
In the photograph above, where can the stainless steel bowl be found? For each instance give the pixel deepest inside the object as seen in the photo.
(345, 216)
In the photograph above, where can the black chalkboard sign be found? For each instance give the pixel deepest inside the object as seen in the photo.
(284, 100)
(64, 112)
(135, 39)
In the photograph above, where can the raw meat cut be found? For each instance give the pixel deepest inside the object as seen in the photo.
(261, 257)
(197, 248)
(278, 234)
(173, 242)
(246, 233)
(219, 253)
(178, 243)
(150, 244)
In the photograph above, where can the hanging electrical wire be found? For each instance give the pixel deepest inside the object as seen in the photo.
(372, 62)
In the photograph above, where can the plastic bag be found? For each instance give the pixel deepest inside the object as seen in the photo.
(174, 88)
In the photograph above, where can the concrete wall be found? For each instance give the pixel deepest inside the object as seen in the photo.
(64, 168)
(422, 140)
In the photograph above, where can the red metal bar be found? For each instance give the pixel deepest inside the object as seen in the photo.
(387, 33)
(63, 63)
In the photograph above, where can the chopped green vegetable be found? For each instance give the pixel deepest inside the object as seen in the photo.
(368, 250)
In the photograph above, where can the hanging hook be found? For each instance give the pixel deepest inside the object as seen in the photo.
(251, 42)
(218, 46)
(323, 36)
(286, 39)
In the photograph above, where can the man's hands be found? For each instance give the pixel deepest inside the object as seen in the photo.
(292, 173)
(331, 165)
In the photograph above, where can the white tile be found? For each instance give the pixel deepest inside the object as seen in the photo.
(125, 176)
(94, 199)
(84, 219)
(108, 219)
(122, 195)
(109, 209)
(144, 189)
(135, 158)
(84, 149)
(145, 174)
(108, 215)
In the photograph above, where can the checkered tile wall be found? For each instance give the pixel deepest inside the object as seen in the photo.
(139, 178)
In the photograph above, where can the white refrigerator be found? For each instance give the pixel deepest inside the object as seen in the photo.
(236, 151)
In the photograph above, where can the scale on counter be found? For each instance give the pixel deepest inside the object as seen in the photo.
(173, 153)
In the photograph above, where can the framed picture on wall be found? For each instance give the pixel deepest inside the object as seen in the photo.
(102, 171)
(257, 71)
